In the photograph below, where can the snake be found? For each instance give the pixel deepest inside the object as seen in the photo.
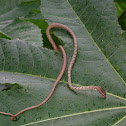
(60, 48)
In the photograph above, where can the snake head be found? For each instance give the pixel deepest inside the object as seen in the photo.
(101, 91)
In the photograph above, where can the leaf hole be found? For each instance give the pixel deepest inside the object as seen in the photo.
(8, 86)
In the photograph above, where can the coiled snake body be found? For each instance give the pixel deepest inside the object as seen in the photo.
(99, 89)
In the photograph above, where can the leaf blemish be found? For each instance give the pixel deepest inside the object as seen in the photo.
(8, 86)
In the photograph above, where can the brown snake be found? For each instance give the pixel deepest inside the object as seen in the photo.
(99, 89)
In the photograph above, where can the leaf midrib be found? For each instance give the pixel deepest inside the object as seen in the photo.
(75, 114)
(119, 121)
(92, 40)
(62, 81)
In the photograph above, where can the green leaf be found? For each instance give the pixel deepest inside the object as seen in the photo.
(121, 6)
(12, 27)
(23, 60)
(61, 107)
(11, 9)
(121, 9)
(104, 28)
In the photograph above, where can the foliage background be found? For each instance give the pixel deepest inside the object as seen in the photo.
(121, 9)
(25, 54)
